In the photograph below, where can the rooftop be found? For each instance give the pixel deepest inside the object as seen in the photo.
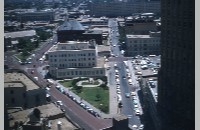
(13, 79)
(93, 32)
(19, 34)
(100, 61)
(103, 48)
(137, 36)
(71, 25)
(47, 111)
(17, 84)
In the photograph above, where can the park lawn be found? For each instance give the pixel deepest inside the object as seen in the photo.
(90, 95)
(66, 83)
(21, 57)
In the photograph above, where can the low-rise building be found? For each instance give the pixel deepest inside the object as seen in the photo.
(75, 59)
(44, 117)
(143, 44)
(43, 15)
(21, 91)
(72, 30)
(11, 38)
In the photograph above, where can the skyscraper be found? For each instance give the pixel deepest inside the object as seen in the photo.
(176, 92)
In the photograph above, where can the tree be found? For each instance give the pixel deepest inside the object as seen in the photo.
(98, 97)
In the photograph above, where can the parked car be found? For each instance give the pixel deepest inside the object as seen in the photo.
(59, 103)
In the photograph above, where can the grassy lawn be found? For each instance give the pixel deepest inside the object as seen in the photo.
(21, 57)
(90, 95)
(66, 83)
(96, 96)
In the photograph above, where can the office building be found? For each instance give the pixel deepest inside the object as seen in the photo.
(143, 44)
(176, 90)
(115, 9)
(75, 59)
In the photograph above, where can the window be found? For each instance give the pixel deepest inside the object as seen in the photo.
(13, 100)
(24, 95)
(11, 92)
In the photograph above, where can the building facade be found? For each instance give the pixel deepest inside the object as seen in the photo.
(74, 59)
(115, 9)
(149, 94)
(143, 44)
(176, 90)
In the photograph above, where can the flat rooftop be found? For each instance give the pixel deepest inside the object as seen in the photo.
(14, 79)
(47, 111)
(7, 85)
(103, 48)
(19, 34)
(138, 36)
(93, 32)
(100, 61)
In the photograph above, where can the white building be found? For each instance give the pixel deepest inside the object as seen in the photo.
(143, 44)
(75, 59)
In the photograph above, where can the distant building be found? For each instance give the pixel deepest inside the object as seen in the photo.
(143, 44)
(75, 59)
(140, 25)
(45, 15)
(72, 30)
(11, 38)
(93, 21)
(115, 9)
(21, 91)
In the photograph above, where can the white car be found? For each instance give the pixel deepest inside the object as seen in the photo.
(135, 106)
(59, 103)
(133, 93)
(137, 112)
(135, 126)
(141, 127)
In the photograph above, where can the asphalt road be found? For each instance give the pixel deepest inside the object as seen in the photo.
(117, 58)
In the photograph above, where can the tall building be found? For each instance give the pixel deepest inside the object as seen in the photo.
(176, 90)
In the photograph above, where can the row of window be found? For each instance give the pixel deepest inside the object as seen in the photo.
(145, 45)
(80, 59)
(143, 41)
(72, 55)
(71, 65)
(77, 73)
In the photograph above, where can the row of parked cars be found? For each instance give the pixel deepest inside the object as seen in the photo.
(83, 105)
